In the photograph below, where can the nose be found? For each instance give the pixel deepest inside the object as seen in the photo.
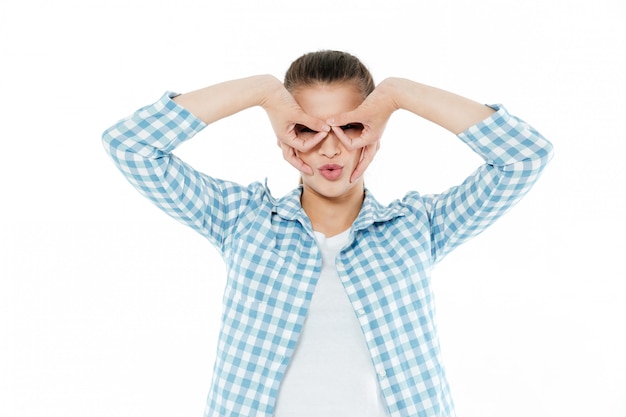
(330, 146)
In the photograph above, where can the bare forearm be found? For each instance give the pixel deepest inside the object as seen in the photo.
(450, 111)
(227, 98)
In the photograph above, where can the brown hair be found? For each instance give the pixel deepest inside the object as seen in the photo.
(327, 67)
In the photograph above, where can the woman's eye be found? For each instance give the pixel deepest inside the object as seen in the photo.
(352, 126)
(303, 129)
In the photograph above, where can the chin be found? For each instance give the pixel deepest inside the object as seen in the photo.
(333, 190)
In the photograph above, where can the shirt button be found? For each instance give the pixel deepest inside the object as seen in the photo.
(360, 311)
(382, 374)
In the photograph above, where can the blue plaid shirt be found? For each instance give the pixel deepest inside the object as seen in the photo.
(273, 261)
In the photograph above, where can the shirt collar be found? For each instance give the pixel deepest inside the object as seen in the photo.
(374, 212)
(289, 208)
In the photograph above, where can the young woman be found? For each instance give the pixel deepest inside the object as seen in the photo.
(328, 308)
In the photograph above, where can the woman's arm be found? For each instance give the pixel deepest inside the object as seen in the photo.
(215, 102)
(141, 146)
(221, 100)
(515, 154)
(450, 111)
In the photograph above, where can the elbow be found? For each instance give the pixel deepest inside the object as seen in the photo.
(544, 154)
(109, 140)
(114, 146)
(549, 149)
(539, 152)
(528, 170)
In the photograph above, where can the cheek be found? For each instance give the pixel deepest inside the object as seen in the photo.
(355, 155)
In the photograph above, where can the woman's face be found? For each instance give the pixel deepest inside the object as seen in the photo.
(331, 162)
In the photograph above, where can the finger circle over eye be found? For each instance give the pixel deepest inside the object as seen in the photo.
(343, 137)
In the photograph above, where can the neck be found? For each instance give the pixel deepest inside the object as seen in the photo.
(332, 215)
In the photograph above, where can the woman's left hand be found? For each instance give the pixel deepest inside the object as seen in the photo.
(373, 115)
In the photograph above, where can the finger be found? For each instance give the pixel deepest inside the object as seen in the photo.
(290, 155)
(348, 142)
(311, 143)
(343, 118)
(302, 144)
(367, 156)
(318, 137)
(313, 123)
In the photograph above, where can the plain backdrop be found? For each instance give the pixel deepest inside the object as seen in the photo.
(110, 308)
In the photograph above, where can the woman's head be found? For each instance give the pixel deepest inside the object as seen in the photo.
(325, 84)
(331, 161)
(328, 67)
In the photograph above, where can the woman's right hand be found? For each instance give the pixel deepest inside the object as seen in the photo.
(285, 114)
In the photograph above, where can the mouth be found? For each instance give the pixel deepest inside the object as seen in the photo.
(331, 171)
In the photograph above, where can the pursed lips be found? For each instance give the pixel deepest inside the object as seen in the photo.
(331, 171)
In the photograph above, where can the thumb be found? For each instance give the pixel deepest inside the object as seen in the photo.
(313, 123)
(342, 119)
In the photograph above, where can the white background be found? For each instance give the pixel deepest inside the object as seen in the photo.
(110, 308)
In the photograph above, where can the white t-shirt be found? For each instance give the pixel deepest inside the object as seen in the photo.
(331, 372)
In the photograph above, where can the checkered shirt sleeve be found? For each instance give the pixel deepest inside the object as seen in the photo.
(515, 154)
(141, 145)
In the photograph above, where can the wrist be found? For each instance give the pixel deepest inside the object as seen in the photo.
(267, 86)
(399, 91)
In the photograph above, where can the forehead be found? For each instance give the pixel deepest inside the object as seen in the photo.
(324, 100)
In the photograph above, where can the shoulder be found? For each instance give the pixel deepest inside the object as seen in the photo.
(253, 194)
